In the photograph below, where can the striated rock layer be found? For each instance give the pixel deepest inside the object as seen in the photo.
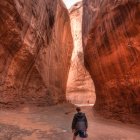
(111, 38)
(35, 51)
(80, 87)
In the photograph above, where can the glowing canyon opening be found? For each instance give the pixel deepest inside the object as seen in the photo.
(80, 87)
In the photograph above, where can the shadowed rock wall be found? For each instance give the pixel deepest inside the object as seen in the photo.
(35, 51)
(111, 39)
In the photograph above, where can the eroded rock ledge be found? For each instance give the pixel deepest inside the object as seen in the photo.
(35, 51)
(111, 38)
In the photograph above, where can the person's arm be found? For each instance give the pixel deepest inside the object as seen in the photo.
(86, 122)
(73, 122)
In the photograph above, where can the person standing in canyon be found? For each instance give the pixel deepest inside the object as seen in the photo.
(79, 124)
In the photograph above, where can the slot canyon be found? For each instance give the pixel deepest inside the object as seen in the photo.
(53, 57)
(80, 87)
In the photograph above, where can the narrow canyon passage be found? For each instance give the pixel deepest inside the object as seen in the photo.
(80, 86)
(50, 56)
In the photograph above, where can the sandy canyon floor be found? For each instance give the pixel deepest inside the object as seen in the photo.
(54, 123)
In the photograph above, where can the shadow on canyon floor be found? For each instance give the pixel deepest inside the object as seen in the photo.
(53, 123)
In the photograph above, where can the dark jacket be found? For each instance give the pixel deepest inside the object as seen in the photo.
(79, 121)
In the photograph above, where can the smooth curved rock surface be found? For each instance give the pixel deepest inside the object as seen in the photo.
(111, 39)
(35, 51)
(80, 87)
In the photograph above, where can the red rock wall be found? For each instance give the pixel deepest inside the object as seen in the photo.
(111, 39)
(80, 86)
(35, 51)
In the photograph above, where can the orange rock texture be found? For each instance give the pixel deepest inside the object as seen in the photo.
(80, 87)
(35, 50)
(111, 39)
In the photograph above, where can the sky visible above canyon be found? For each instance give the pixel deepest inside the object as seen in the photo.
(69, 3)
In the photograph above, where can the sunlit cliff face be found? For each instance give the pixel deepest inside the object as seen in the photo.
(111, 37)
(80, 87)
(34, 56)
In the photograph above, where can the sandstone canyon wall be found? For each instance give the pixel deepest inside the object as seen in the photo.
(80, 87)
(111, 39)
(35, 51)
